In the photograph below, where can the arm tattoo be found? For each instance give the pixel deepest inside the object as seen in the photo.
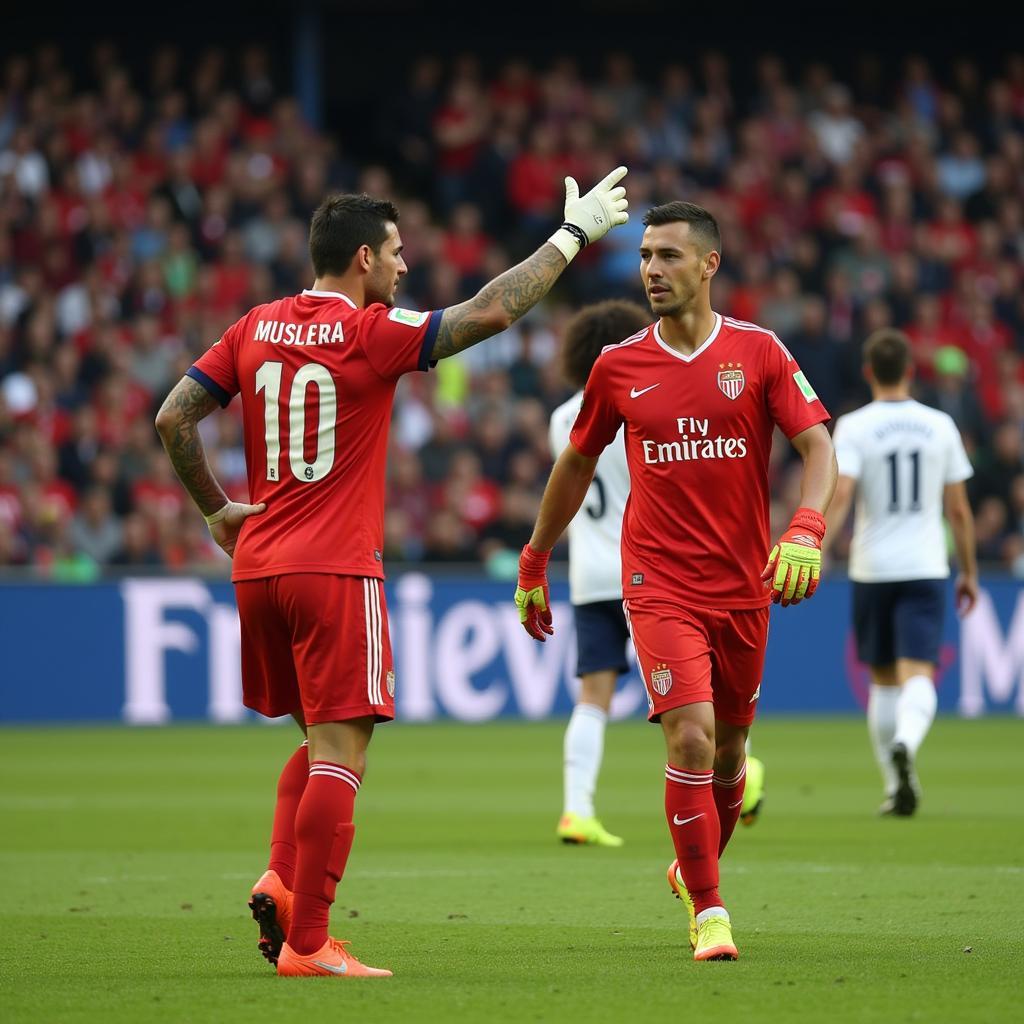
(177, 422)
(513, 293)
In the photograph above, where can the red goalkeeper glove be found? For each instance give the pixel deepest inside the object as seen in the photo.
(532, 598)
(794, 566)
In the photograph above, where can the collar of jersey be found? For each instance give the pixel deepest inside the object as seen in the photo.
(328, 295)
(697, 351)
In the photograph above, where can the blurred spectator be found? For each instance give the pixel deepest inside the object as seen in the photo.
(513, 527)
(465, 245)
(137, 549)
(95, 531)
(961, 171)
(990, 528)
(447, 539)
(141, 215)
(835, 128)
(467, 493)
(996, 468)
(535, 181)
(459, 126)
(24, 164)
(816, 352)
(950, 390)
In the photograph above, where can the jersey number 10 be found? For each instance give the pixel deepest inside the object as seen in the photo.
(268, 380)
(914, 458)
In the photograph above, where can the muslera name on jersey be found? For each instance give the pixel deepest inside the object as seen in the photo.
(278, 332)
(690, 448)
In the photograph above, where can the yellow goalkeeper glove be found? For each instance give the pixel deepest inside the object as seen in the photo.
(794, 566)
(532, 597)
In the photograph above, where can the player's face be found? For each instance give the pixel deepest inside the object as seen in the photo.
(386, 269)
(672, 268)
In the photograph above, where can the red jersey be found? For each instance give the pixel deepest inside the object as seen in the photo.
(698, 436)
(317, 377)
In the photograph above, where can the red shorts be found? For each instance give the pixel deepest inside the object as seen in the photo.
(316, 644)
(687, 655)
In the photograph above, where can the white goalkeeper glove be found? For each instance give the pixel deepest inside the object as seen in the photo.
(590, 217)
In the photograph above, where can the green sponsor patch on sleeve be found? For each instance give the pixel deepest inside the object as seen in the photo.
(805, 386)
(409, 317)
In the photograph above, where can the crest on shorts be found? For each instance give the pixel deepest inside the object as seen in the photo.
(661, 679)
(731, 380)
(391, 682)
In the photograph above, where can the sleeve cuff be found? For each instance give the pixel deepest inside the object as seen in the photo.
(210, 384)
(582, 449)
(429, 337)
(823, 417)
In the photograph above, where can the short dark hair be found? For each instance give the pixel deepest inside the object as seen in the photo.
(594, 327)
(342, 223)
(703, 226)
(887, 352)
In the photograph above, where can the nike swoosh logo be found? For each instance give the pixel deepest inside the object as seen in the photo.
(676, 820)
(634, 393)
(737, 804)
(333, 968)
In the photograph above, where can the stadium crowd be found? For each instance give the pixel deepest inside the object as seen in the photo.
(141, 216)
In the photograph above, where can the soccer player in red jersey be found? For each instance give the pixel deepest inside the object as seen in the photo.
(317, 375)
(700, 396)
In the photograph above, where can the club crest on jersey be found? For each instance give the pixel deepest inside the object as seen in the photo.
(731, 380)
(661, 679)
(391, 682)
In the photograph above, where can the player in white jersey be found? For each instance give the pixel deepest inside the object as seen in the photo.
(906, 464)
(595, 578)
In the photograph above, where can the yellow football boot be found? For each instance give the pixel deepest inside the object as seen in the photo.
(714, 940)
(753, 791)
(573, 828)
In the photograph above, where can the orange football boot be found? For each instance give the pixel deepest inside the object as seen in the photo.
(332, 959)
(678, 887)
(271, 906)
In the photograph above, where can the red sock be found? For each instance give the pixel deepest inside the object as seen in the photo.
(324, 832)
(729, 801)
(693, 822)
(290, 787)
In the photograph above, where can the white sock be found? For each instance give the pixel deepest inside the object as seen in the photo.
(584, 748)
(712, 912)
(915, 712)
(882, 702)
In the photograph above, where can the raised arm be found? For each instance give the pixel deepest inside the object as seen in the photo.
(177, 422)
(501, 302)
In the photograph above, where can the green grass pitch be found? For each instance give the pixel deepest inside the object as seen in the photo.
(127, 857)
